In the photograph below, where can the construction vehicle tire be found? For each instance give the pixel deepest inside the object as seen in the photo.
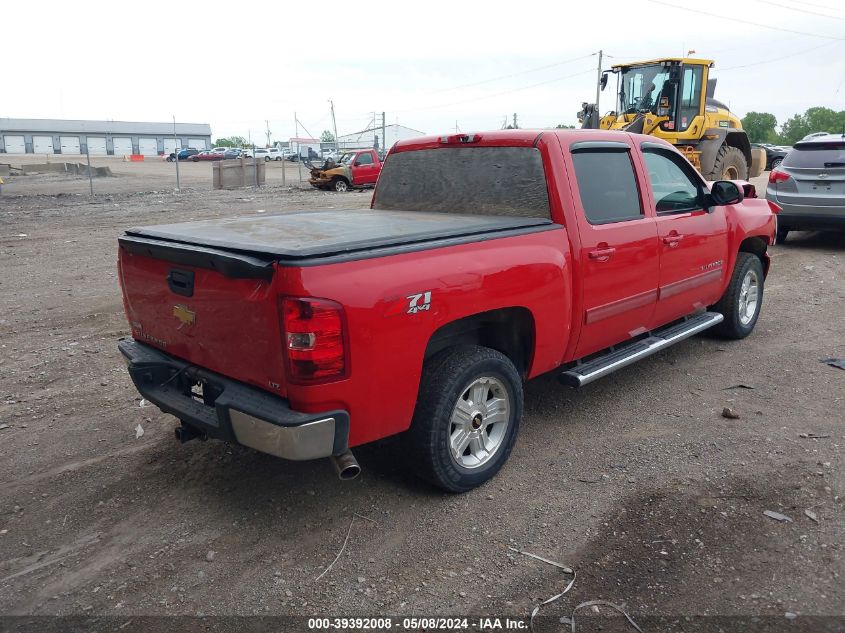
(730, 165)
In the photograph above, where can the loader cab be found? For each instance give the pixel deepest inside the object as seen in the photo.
(666, 97)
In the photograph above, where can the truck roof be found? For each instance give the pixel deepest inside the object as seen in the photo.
(518, 138)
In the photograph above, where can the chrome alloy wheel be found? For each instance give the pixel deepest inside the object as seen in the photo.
(749, 295)
(479, 422)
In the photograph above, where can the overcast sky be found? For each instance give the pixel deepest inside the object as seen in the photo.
(429, 64)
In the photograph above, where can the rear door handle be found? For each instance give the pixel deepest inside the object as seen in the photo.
(602, 254)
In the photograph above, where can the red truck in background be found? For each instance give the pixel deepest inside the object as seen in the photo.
(355, 169)
(485, 260)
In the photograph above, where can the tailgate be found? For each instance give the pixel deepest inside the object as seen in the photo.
(228, 323)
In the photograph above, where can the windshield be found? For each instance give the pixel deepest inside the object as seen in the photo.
(506, 181)
(346, 159)
(640, 87)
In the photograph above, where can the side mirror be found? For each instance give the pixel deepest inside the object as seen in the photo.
(603, 81)
(725, 192)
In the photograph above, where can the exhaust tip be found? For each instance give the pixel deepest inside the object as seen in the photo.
(346, 466)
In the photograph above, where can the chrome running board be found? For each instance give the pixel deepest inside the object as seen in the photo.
(622, 356)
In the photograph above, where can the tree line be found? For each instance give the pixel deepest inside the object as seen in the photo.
(761, 127)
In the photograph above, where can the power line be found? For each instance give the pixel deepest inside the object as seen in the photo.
(496, 94)
(733, 19)
(798, 10)
(819, 6)
(777, 59)
(516, 74)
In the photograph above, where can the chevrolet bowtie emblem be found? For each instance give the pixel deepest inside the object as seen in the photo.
(186, 316)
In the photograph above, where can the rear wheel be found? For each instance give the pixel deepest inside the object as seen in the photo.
(776, 163)
(730, 165)
(743, 298)
(467, 417)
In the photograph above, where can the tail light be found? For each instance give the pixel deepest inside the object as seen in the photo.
(314, 340)
(776, 176)
(776, 208)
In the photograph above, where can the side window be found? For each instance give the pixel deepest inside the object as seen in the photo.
(607, 185)
(674, 189)
(364, 159)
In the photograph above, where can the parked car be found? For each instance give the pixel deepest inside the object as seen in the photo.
(262, 153)
(774, 154)
(209, 154)
(183, 154)
(305, 334)
(355, 169)
(814, 135)
(810, 186)
(274, 153)
(231, 153)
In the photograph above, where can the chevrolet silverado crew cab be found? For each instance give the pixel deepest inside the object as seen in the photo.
(484, 260)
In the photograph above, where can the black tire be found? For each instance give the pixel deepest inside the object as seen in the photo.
(729, 159)
(446, 378)
(340, 185)
(776, 163)
(782, 233)
(266, 159)
(730, 304)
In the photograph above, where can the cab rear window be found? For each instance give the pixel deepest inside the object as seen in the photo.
(507, 181)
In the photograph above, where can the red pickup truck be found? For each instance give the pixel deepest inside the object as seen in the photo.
(485, 260)
(355, 169)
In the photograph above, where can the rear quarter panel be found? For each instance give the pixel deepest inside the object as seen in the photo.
(387, 344)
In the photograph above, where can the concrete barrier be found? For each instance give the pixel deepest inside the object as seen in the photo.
(231, 174)
(67, 168)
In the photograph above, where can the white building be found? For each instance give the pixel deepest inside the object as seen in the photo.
(118, 138)
(367, 138)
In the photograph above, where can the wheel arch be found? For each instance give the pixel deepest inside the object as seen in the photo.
(509, 330)
(739, 139)
(758, 246)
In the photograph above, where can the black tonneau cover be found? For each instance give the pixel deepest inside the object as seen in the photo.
(308, 234)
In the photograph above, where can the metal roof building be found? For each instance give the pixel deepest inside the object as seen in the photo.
(367, 138)
(118, 138)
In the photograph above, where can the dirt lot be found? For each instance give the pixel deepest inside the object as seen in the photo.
(636, 481)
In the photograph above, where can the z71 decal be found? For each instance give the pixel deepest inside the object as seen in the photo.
(419, 302)
(409, 304)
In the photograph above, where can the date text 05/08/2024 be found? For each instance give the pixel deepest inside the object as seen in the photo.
(417, 624)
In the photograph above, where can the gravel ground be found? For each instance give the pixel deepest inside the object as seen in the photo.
(636, 481)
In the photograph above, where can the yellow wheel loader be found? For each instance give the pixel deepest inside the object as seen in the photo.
(672, 98)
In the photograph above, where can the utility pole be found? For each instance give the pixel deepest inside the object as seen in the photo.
(383, 138)
(598, 84)
(334, 126)
(267, 124)
(298, 150)
(176, 149)
(515, 126)
(254, 165)
(90, 178)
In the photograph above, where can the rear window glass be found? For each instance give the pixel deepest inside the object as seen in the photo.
(475, 180)
(607, 186)
(816, 156)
